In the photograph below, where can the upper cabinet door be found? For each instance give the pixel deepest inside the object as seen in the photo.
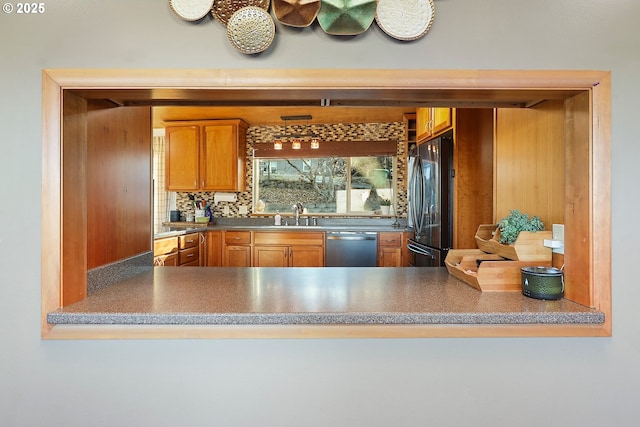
(219, 161)
(182, 149)
(424, 124)
(441, 120)
(431, 122)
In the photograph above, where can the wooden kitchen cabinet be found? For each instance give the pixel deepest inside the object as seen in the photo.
(288, 249)
(431, 122)
(390, 250)
(189, 250)
(165, 252)
(214, 248)
(206, 156)
(168, 260)
(236, 256)
(236, 251)
(182, 156)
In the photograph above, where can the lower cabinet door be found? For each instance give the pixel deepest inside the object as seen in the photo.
(270, 256)
(389, 256)
(306, 256)
(213, 249)
(237, 256)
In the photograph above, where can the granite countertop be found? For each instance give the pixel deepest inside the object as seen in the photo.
(179, 228)
(322, 296)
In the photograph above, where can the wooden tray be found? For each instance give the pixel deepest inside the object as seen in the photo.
(494, 273)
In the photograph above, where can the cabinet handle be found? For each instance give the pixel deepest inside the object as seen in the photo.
(190, 255)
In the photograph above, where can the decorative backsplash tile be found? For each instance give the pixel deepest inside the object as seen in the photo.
(343, 132)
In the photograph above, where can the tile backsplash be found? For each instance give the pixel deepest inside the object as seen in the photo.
(343, 132)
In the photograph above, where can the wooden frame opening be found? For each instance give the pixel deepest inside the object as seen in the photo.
(587, 195)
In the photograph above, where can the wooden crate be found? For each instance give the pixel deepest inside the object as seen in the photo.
(494, 273)
(529, 246)
(484, 237)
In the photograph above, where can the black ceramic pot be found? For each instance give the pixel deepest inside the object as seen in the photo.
(543, 282)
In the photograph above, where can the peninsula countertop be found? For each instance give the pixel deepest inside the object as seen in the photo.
(311, 296)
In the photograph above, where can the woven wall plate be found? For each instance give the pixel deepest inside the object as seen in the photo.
(223, 9)
(191, 10)
(406, 19)
(251, 30)
(346, 17)
(296, 13)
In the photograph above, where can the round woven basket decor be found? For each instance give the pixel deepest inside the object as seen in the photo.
(346, 17)
(223, 9)
(251, 30)
(406, 19)
(296, 13)
(191, 10)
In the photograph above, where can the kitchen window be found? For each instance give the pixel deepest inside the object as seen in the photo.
(325, 185)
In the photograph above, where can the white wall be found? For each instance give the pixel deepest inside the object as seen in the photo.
(436, 382)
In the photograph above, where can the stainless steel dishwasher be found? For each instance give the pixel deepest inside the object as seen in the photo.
(351, 249)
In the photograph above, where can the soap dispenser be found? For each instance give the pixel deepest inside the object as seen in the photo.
(277, 218)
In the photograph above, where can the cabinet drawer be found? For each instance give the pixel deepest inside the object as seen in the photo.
(165, 246)
(389, 239)
(237, 237)
(170, 260)
(188, 240)
(289, 238)
(189, 255)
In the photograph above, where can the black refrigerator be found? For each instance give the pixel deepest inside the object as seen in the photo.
(430, 199)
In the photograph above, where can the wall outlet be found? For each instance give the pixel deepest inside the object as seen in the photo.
(243, 210)
(557, 233)
(225, 210)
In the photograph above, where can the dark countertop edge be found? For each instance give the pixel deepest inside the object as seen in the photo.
(373, 318)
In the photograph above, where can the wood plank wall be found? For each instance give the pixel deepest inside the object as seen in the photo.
(74, 200)
(473, 198)
(578, 221)
(529, 162)
(119, 188)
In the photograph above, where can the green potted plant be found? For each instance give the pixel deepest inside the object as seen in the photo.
(521, 237)
(516, 222)
(385, 206)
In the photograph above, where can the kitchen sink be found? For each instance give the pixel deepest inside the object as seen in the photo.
(291, 227)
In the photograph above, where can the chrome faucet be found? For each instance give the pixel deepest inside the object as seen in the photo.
(298, 209)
